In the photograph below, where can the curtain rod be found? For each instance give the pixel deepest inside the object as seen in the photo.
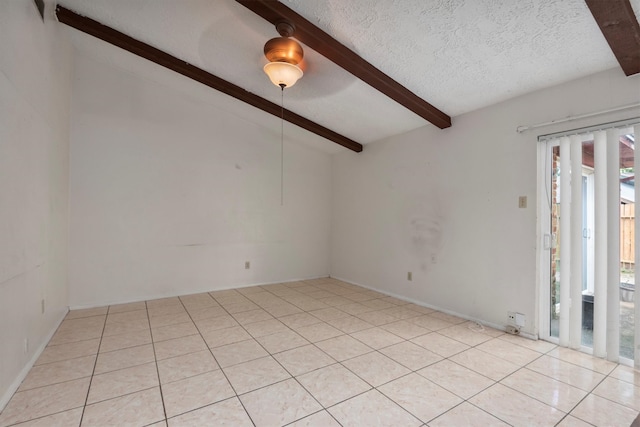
(620, 124)
(521, 129)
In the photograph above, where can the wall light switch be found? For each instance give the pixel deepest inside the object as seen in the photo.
(522, 202)
(247, 265)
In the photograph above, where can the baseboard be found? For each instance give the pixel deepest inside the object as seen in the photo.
(171, 295)
(453, 313)
(25, 370)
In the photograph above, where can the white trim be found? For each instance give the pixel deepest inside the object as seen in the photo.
(13, 387)
(443, 310)
(521, 129)
(545, 241)
(171, 295)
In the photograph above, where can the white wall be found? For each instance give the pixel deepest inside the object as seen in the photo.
(35, 67)
(444, 204)
(171, 192)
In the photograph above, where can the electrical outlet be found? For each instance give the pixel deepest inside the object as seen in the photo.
(520, 319)
(247, 265)
(511, 317)
(409, 276)
(42, 305)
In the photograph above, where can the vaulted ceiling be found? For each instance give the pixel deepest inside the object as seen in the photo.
(456, 55)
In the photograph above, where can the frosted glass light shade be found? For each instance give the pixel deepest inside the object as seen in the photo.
(283, 73)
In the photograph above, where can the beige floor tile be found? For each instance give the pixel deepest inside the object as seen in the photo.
(281, 310)
(535, 345)
(136, 409)
(207, 313)
(355, 308)
(169, 319)
(299, 320)
(226, 413)
(350, 324)
(179, 346)
(466, 414)
(420, 397)
(86, 312)
(304, 359)
(330, 313)
(584, 360)
(566, 372)
(439, 344)
(267, 327)
(125, 358)
(67, 336)
(343, 347)
(377, 337)
(570, 421)
(447, 317)
(62, 419)
(185, 366)
(128, 317)
(603, 412)
(255, 374)
(118, 328)
(515, 408)
(165, 311)
(131, 306)
(513, 353)
(126, 340)
(195, 392)
(164, 333)
(333, 384)
(376, 368)
(626, 373)
(377, 318)
(405, 329)
(220, 337)
(336, 301)
(456, 378)
(547, 390)
(429, 322)
(125, 381)
(39, 402)
(282, 341)
(252, 316)
(372, 409)
(57, 372)
(279, 404)
(620, 392)
(213, 323)
(485, 364)
(410, 355)
(164, 302)
(240, 352)
(57, 353)
(378, 304)
(319, 419)
(318, 332)
(465, 335)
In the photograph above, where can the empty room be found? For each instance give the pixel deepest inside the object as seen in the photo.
(319, 213)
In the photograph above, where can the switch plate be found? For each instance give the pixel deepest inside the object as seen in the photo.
(247, 265)
(522, 202)
(409, 276)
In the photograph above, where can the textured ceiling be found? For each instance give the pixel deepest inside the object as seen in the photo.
(459, 55)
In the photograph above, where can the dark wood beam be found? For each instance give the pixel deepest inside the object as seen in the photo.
(312, 36)
(123, 41)
(620, 28)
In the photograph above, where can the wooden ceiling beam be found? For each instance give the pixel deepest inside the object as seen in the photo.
(312, 36)
(123, 41)
(620, 28)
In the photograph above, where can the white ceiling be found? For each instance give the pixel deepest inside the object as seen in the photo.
(458, 55)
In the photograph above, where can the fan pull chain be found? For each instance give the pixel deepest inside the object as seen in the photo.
(282, 145)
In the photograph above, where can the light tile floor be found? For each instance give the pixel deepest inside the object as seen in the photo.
(313, 353)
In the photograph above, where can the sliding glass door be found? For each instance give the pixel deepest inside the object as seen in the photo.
(588, 241)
